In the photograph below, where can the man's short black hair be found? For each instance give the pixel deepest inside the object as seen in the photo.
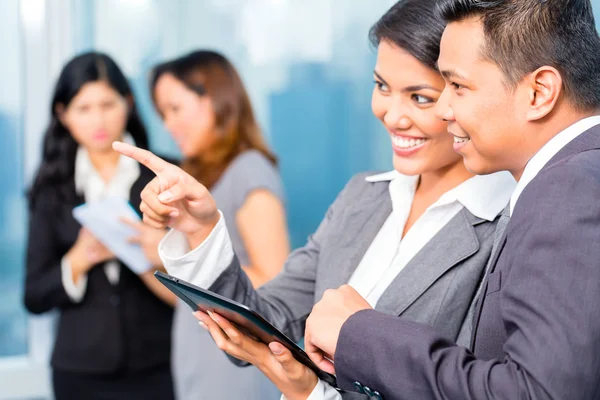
(524, 35)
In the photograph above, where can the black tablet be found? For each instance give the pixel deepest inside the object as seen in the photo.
(245, 319)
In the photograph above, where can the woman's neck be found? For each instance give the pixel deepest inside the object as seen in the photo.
(105, 163)
(432, 186)
(439, 182)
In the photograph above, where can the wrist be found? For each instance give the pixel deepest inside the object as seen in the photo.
(304, 392)
(302, 395)
(198, 237)
(79, 265)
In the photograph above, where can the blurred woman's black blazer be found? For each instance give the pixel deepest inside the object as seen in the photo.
(118, 329)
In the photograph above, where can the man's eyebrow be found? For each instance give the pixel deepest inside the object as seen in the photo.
(451, 74)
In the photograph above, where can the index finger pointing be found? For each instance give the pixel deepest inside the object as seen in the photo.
(154, 163)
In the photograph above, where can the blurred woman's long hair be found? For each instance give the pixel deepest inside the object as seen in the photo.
(208, 73)
(59, 148)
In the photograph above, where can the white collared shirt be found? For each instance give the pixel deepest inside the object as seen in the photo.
(93, 188)
(388, 254)
(549, 150)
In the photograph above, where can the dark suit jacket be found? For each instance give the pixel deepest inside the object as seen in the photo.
(122, 328)
(537, 324)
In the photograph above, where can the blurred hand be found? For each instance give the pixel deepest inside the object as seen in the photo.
(148, 238)
(295, 380)
(174, 198)
(325, 322)
(86, 253)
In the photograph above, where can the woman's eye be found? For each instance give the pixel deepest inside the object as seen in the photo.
(382, 87)
(421, 99)
(456, 86)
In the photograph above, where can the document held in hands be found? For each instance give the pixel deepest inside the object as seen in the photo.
(103, 219)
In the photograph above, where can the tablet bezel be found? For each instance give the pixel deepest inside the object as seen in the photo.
(244, 318)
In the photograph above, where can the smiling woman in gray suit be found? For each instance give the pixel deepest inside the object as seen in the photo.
(414, 241)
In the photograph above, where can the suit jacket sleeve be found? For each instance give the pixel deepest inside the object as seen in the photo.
(44, 289)
(549, 312)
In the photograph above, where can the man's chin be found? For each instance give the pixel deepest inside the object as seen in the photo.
(477, 166)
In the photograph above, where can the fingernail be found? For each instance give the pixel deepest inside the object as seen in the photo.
(276, 348)
(202, 324)
(165, 196)
(200, 316)
(174, 214)
(211, 315)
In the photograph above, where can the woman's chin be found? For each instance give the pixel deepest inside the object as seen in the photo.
(406, 167)
(100, 147)
(188, 153)
(193, 150)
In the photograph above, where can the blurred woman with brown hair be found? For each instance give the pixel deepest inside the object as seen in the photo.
(205, 107)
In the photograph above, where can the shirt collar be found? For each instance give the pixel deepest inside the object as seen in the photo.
(84, 169)
(549, 150)
(384, 177)
(484, 196)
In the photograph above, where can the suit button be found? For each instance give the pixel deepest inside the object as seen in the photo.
(359, 388)
(115, 300)
(369, 392)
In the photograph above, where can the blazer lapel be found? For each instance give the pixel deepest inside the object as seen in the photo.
(496, 251)
(138, 186)
(361, 223)
(452, 244)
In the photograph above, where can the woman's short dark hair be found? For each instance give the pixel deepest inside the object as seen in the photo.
(414, 26)
(59, 148)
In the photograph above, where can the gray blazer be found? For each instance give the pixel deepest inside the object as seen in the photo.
(537, 324)
(436, 287)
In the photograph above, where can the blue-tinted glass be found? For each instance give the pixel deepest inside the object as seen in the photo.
(13, 219)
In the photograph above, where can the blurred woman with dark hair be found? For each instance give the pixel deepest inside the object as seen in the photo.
(113, 338)
(205, 107)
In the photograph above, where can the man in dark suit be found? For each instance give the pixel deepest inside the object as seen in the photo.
(523, 95)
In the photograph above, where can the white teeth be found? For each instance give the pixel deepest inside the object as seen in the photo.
(406, 143)
(460, 139)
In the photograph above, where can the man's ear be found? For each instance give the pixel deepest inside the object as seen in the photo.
(544, 88)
